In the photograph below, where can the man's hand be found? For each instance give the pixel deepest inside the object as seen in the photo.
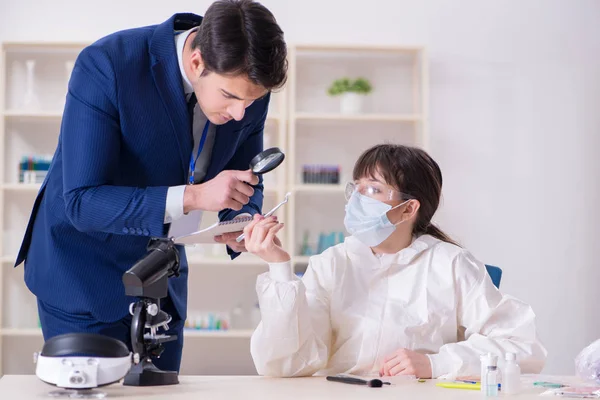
(229, 240)
(406, 362)
(229, 189)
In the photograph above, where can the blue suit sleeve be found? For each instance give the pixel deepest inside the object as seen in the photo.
(90, 144)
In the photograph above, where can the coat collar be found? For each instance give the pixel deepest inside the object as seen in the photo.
(358, 251)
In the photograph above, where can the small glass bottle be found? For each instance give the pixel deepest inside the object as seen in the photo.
(486, 360)
(237, 317)
(255, 316)
(491, 381)
(30, 100)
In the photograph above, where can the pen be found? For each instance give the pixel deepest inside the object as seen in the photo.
(287, 195)
(357, 381)
(578, 395)
(548, 384)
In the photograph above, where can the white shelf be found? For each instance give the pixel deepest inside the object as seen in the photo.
(301, 259)
(34, 187)
(28, 332)
(22, 187)
(193, 259)
(358, 117)
(43, 47)
(33, 114)
(319, 188)
(336, 48)
(57, 115)
(244, 259)
(231, 333)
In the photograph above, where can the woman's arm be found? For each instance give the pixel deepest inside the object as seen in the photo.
(493, 323)
(294, 335)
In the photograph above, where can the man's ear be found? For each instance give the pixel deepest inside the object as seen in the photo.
(197, 63)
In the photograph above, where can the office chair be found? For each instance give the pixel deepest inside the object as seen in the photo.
(495, 273)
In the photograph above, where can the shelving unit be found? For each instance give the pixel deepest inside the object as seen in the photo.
(303, 121)
(320, 134)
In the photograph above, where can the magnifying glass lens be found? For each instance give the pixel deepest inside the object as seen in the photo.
(267, 161)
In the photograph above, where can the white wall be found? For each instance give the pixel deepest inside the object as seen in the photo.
(515, 93)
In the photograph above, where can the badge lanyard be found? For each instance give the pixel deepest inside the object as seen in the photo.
(200, 146)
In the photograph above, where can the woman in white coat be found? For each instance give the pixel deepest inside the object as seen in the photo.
(398, 297)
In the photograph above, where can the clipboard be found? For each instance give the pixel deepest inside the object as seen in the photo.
(207, 235)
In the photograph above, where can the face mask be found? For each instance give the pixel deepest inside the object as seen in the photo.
(366, 219)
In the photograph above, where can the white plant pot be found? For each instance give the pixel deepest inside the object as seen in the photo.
(351, 103)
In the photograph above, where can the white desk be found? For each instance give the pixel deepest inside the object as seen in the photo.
(26, 387)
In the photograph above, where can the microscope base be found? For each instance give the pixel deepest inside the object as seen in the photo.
(145, 373)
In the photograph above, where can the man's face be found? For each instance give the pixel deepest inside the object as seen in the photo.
(223, 97)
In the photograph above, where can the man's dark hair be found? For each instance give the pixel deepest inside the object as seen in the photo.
(242, 37)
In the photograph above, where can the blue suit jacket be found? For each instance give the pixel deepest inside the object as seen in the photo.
(125, 139)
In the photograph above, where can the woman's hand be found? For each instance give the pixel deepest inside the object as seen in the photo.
(406, 362)
(261, 239)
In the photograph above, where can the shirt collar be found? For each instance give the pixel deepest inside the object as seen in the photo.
(179, 44)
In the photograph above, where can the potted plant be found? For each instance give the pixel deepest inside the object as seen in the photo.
(351, 93)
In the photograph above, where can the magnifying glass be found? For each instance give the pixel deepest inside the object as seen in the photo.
(266, 161)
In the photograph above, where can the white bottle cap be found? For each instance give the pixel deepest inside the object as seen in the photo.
(489, 359)
(510, 357)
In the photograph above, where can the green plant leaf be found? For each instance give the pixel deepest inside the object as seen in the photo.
(343, 85)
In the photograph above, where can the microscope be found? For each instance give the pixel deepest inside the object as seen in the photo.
(148, 281)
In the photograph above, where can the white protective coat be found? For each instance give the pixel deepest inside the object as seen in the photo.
(353, 308)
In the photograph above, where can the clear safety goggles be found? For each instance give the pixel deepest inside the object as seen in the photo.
(375, 190)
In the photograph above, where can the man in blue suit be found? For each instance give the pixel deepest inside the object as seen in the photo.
(160, 124)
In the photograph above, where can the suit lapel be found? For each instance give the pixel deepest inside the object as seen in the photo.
(168, 80)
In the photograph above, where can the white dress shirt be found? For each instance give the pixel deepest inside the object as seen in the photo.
(174, 206)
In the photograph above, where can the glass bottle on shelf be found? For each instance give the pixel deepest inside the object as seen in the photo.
(238, 317)
(16, 81)
(30, 99)
(68, 70)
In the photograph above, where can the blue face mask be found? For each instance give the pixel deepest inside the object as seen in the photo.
(366, 219)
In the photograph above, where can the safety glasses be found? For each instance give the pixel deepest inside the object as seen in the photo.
(375, 190)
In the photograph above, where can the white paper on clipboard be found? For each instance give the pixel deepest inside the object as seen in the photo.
(207, 235)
